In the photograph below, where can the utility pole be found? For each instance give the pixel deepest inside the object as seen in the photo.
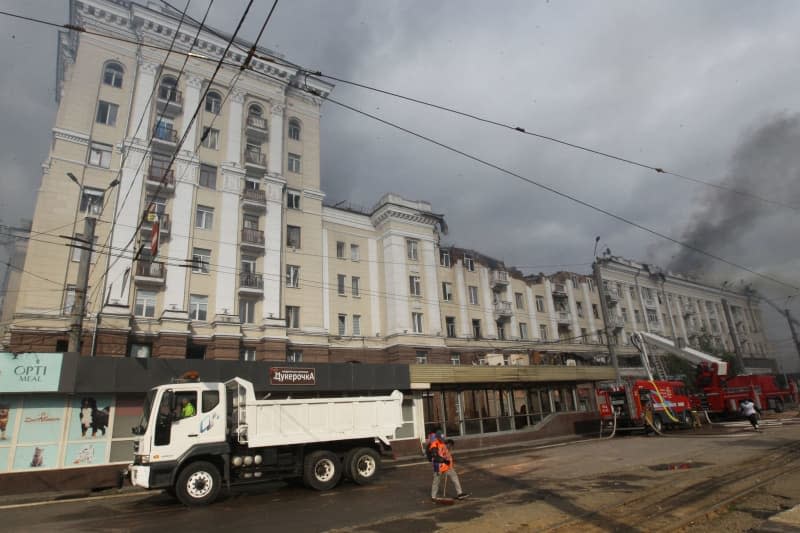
(79, 307)
(612, 349)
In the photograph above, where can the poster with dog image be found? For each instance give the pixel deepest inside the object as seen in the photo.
(89, 417)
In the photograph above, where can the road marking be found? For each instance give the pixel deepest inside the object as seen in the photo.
(74, 500)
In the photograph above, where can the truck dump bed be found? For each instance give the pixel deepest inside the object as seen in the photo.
(260, 423)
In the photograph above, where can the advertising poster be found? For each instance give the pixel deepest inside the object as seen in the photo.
(85, 453)
(9, 407)
(89, 418)
(34, 457)
(42, 421)
(30, 372)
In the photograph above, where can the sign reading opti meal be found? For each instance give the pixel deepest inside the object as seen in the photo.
(292, 376)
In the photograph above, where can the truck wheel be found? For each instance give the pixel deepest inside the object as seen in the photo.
(658, 426)
(322, 470)
(687, 419)
(364, 465)
(778, 405)
(198, 484)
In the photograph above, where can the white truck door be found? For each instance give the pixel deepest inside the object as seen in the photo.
(181, 429)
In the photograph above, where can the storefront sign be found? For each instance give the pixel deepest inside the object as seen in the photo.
(292, 376)
(30, 372)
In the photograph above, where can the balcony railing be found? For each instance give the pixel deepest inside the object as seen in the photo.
(254, 195)
(564, 317)
(252, 236)
(259, 123)
(160, 178)
(251, 280)
(165, 134)
(149, 217)
(150, 269)
(649, 302)
(559, 290)
(254, 157)
(502, 308)
(170, 94)
(499, 277)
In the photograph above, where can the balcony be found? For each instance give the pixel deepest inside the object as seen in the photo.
(256, 128)
(615, 323)
(150, 272)
(169, 101)
(649, 302)
(165, 137)
(250, 282)
(254, 198)
(564, 317)
(253, 239)
(255, 159)
(158, 179)
(499, 278)
(612, 295)
(149, 218)
(502, 309)
(559, 290)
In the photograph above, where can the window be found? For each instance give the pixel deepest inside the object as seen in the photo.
(356, 325)
(455, 359)
(112, 75)
(590, 283)
(414, 286)
(140, 351)
(340, 280)
(519, 300)
(100, 155)
(213, 102)
(523, 330)
(624, 315)
(540, 304)
(208, 176)
(501, 331)
(168, 89)
(254, 111)
(416, 322)
(355, 282)
(355, 253)
(637, 316)
(252, 184)
(450, 326)
(210, 138)
(444, 258)
(469, 264)
(106, 113)
(77, 252)
(595, 311)
(293, 236)
(200, 260)
(584, 335)
(574, 282)
(411, 249)
(476, 328)
(69, 299)
(652, 316)
(473, 295)
(579, 309)
(292, 317)
(204, 217)
(292, 276)
(294, 163)
(247, 354)
(294, 129)
(198, 307)
(91, 200)
(447, 291)
(339, 250)
(247, 311)
(342, 325)
(145, 304)
(543, 332)
(422, 357)
(293, 199)
(248, 264)
(294, 356)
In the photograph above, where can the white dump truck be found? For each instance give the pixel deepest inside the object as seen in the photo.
(196, 437)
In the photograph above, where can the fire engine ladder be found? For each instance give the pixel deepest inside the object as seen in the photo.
(658, 365)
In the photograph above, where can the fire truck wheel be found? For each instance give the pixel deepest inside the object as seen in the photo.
(322, 470)
(687, 419)
(198, 484)
(658, 426)
(364, 466)
(778, 405)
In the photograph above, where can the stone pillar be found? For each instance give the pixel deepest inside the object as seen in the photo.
(273, 233)
(145, 81)
(551, 309)
(374, 287)
(587, 297)
(487, 302)
(461, 291)
(533, 326)
(191, 98)
(233, 153)
(631, 313)
(326, 287)
(394, 263)
(186, 173)
(428, 256)
(573, 312)
(275, 163)
(228, 251)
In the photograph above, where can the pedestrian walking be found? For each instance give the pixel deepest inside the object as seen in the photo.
(750, 411)
(443, 468)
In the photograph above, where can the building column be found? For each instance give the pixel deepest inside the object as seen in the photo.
(228, 250)
(145, 82)
(374, 284)
(682, 322)
(631, 310)
(186, 172)
(533, 330)
(487, 302)
(587, 297)
(514, 333)
(398, 319)
(573, 311)
(551, 309)
(275, 163)
(326, 287)
(191, 99)
(428, 256)
(233, 153)
(273, 232)
(461, 291)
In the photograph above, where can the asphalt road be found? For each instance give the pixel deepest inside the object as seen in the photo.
(575, 487)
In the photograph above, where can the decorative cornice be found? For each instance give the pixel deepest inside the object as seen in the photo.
(76, 137)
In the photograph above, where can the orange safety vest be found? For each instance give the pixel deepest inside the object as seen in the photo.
(440, 448)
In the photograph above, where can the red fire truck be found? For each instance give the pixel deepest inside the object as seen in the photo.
(635, 402)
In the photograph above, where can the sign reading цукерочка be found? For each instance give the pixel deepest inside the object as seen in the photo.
(30, 372)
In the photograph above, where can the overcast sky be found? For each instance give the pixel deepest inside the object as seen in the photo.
(705, 89)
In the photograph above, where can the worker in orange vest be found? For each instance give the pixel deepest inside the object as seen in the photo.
(443, 466)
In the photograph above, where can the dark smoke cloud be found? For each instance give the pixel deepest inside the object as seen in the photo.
(766, 163)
